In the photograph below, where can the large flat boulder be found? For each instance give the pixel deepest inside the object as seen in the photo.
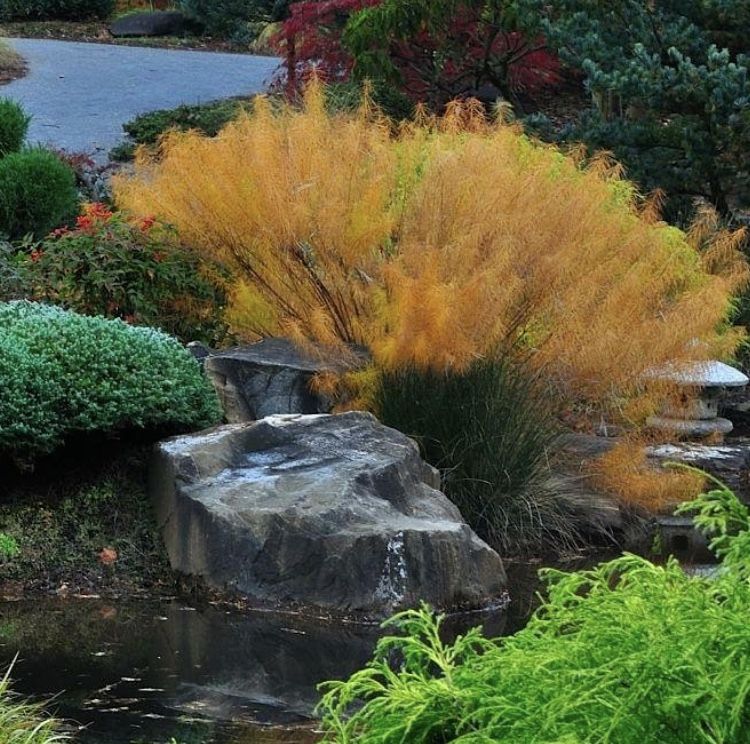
(269, 377)
(335, 512)
(149, 23)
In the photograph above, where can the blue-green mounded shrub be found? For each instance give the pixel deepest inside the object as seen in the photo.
(51, 10)
(63, 374)
(14, 124)
(37, 193)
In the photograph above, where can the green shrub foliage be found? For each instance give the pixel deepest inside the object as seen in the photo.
(490, 431)
(64, 10)
(211, 118)
(229, 19)
(37, 193)
(14, 123)
(627, 653)
(670, 82)
(8, 547)
(63, 373)
(208, 118)
(13, 276)
(91, 496)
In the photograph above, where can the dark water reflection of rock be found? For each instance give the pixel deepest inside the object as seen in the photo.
(151, 671)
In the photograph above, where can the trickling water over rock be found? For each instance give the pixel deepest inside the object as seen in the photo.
(337, 512)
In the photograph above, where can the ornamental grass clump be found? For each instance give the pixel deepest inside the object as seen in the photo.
(441, 243)
(492, 431)
(444, 242)
(25, 723)
(64, 374)
(628, 652)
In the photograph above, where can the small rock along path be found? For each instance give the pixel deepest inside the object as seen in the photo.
(80, 94)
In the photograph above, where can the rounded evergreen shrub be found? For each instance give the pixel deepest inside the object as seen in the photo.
(227, 19)
(64, 10)
(14, 123)
(37, 193)
(62, 373)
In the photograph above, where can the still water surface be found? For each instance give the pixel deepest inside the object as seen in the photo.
(151, 671)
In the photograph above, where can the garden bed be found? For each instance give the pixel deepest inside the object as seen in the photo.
(83, 525)
(12, 65)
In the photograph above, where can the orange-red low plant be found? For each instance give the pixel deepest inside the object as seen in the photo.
(135, 270)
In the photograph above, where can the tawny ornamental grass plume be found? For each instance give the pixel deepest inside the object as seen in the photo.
(438, 244)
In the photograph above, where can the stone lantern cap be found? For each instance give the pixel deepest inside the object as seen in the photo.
(711, 374)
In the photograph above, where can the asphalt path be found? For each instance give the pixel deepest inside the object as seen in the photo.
(79, 95)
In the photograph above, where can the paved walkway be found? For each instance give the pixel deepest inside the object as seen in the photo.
(80, 94)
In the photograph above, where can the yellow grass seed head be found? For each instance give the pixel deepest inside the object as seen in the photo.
(444, 241)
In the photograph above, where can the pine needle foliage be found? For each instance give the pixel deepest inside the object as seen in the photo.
(625, 653)
(436, 244)
(491, 430)
(721, 516)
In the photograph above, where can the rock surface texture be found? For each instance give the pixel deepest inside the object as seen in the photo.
(263, 379)
(597, 514)
(729, 461)
(335, 512)
(157, 23)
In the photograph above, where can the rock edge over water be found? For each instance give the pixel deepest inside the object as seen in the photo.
(336, 512)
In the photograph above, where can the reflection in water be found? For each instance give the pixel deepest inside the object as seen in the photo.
(151, 671)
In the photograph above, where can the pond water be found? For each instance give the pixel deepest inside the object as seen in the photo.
(152, 671)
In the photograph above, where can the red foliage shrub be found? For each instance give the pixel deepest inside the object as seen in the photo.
(311, 40)
(435, 66)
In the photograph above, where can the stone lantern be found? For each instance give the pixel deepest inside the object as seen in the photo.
(697, 415)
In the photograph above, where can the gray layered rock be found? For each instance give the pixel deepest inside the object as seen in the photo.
(263, 379)
(729, 462)
(155, 23)
(336, 512)
(597, 514)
